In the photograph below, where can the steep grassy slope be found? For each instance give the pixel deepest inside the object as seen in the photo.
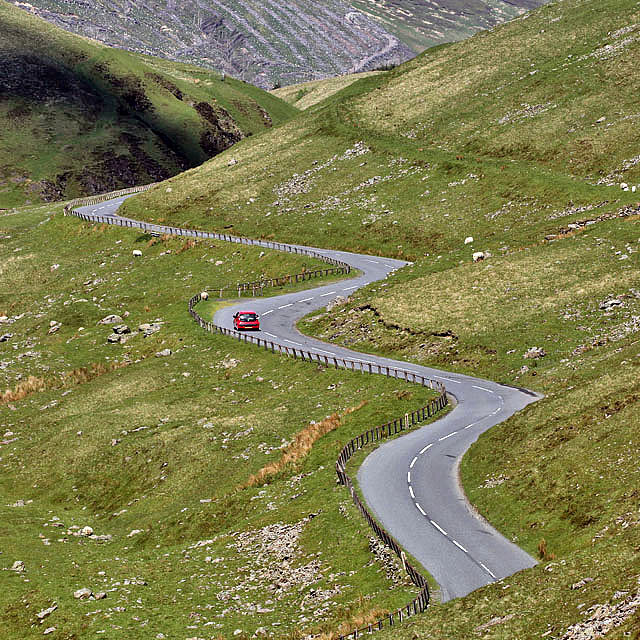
(156, 453)
(263, 43)
(78, 117)
(518, 139)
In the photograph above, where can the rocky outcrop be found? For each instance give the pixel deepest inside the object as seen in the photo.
(277, 43)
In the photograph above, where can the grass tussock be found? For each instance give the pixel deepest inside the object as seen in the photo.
(301, 446)
(189, 244)
(37, 384)
(355, 621)
(24, 388)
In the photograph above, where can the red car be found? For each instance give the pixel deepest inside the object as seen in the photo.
(246, 320)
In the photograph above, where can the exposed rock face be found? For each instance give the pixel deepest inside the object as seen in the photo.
(425, 24)
(275, 42)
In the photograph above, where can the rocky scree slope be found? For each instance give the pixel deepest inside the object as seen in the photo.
(423, 24)
(266, 43)
(81, 118)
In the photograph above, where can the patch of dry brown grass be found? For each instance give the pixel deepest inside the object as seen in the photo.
(189, 244)
(358, 620)
(23, 389)
(80, 375)
(301, 446)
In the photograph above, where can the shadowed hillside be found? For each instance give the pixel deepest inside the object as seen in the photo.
(80, 118)
(266, 43)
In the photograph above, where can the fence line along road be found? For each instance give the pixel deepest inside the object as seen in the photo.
(375, 434)
(391, 428)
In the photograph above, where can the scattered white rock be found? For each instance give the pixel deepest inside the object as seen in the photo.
(338, 301)
(468, 240)
(82, 594)
(86, 531)
(610, 304)
(137, 253)
(18, 566)
(121, 329)
(149, 328)
(48, 630)
(164, 353)
(54, 325)
(111, 319)
(41, 615)
(134, 532)
(55, 267)
(232, 162)
(478, 256)
(581, 583)
(6, 337)
(535, 353)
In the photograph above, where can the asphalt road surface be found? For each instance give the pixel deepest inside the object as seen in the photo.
(410, 483)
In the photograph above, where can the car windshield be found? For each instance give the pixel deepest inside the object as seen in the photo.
(247, 317)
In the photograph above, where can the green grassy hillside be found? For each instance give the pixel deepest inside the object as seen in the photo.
(155, 454)
(80, 118)
(307, 94)
(517, 144)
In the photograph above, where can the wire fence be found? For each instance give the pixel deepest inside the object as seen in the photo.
(381, 432)
(159, 229)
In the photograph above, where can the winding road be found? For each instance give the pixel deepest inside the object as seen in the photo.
(410, 483)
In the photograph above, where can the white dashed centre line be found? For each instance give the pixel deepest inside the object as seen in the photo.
(459, 546)
(438, 527)
(447, 436)
(481, 388)
(425, 448)
(349, 288)
(306, 300)
(493, 575)
(284, 306)
(413, 495)
(409, 477)
(372, 261)
(299, 344)
(270, 334)
(266, 313)
(328, 294)
(413, 462)
(420, 509)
